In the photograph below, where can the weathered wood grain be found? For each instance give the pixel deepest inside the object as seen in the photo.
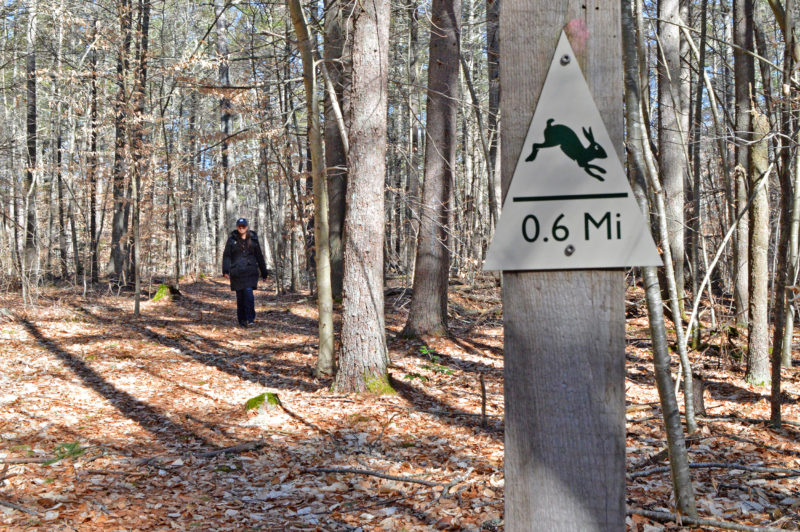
(564, 330)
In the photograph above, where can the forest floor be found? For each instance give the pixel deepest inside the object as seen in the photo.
(113, 423)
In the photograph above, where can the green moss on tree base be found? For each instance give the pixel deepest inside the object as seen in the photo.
(755, 382)
(379, 385)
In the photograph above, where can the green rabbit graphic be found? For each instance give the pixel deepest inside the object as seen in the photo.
(571, 145)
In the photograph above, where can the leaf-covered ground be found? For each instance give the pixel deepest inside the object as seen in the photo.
(113, 423)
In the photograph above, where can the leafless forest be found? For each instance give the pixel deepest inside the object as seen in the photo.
(362, 141)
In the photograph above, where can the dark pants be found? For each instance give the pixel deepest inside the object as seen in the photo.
(245, 306)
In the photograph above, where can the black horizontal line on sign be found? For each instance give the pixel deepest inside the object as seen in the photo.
(572, 197)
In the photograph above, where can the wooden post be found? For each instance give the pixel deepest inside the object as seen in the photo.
(564, 330)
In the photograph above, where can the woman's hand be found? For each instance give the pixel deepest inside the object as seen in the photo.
(226, 276)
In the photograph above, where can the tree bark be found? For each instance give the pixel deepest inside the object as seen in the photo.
(336, 36)
(226, 212)
(428, 313)
(137, 131)
(788, 123)
(119, 225)
(415, 140)
(192, 159)
(744, 73)
(671, 135)
(493, 63)
(668, 208)
(758, 318)
(91, 167)
(697, 219)
(364, 357)
(321, 242)
(30, 266)
(637, 168)
(792, 263)
(62, 229)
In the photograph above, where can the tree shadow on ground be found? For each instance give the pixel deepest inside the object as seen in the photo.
(280, 319)
(421, 350)
(472, 347)
(123, 488)
(725, 391)
(786, 431)
(427, 403)
(242, 364)
(640, 374)
(148, 417)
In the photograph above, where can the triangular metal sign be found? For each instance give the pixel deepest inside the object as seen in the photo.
(569, 205)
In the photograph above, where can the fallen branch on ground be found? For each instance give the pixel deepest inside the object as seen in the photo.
(17, 507)
(27, 460)
(446, 491)
(111, 472)
(638, 407)
(383, 429)
(718, 465)
(746, 419)
(684, 520)
(643, 419)
(653, 459)
(372, 474)
(242, 447)
(464, 311)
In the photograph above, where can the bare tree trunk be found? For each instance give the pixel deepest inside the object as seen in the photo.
(669, 200)
(428, 313)
(76, 250)
(415, 140)
(321, 242)
(119, 220)
(490, 163)
(294, 284)
(637, 168)
(12, 150)
(672, 161)
(336, 32)
(191, 225)
(30, 265)
(172, 199)
(788, 123)
(364, 357)
(62, 230)
(758, 316)
(685, 135)
(493, 62)
(226, 213)
(137, 131)
(697, 219)
(794, 236)
(91, 169)
(744, 72)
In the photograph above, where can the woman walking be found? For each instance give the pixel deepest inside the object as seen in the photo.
(241, 263)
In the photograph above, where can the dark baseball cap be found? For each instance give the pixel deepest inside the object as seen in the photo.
(241, 221)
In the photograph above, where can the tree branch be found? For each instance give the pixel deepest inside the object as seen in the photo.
(685, 520)
(372, 474)
(718, 465)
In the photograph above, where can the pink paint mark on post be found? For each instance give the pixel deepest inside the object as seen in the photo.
(578, 35)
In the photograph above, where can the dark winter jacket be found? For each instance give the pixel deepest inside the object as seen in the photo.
(242, 262)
